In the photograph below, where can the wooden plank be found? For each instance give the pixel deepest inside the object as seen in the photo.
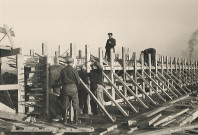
(138, 99)
(21, 84)
(149, 121)
(2, 30)
(170, 130)
(12, 116)
(179, 81)
(155, 110)
(9, 87)
(175, 82)
(5, 108)
(96, 100)
(120, 94)
(190, 117)
(168, 122)
(5, 53)
(140, 89)
(151, 87)
(5, 47)
(158, 86)
(170, 117)
(112, 55)
(116, 104)
(168, 83)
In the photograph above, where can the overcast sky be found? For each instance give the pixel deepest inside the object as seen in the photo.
(138, 24)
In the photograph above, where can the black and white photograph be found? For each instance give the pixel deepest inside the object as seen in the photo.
(98, 67)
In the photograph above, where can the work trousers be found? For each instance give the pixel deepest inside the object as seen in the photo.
(82, 95)
(69, 93)
(97, 90)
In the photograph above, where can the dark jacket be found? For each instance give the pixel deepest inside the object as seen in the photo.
(69, 76)
(96, 75)
(111, 43)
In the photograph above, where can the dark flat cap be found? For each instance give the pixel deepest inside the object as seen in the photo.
(110, 33)
(69, 60)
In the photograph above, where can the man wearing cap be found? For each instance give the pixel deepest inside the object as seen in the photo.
(96, 85)
(111, 43)
(69, 80)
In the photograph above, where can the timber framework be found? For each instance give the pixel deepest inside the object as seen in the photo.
(136, 95)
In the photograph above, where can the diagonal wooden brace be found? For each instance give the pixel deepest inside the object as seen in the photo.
(168, 82)
(141, 89)
(164, 84)
(152, 87)
(95, 99)
(120, 94)
(138, 99)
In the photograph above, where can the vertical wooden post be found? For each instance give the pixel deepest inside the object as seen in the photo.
(59, 50)
(135, 72)
(196, 71)
(167, 64)
(162, 67)
(87, 61)
(171, 65)
(124, 68)
(44, 52)
(156, 69)
(142, 66)
(150, 67)
(167, 67)
(186, 80)
(31, 52)
(112, 71)
(21, 84)
(44, 49)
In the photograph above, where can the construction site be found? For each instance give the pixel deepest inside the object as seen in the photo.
(142, 99)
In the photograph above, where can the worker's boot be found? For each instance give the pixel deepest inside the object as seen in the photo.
(76, 116)
(65, 117)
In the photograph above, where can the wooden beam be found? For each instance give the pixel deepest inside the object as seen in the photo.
(12, 116)
(158, 86)
(9, 87)
(2, 30)
(5, 108)
(170, 117)
(168, 82)
(164, 84)
(148, 121)
(138, 99)
(155, 110)
(116, 104)
(21, 83)
(96, 100)
(136, 84)
(170, 130)
(175, 82)
(5, 47)
(5, 53)
(151, 87)
(120, 94)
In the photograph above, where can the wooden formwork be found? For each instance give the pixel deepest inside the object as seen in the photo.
(129, 80)
(14, 60)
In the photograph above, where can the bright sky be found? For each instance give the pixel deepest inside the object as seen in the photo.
(138, 24)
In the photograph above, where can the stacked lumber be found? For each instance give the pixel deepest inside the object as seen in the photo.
(169, 118)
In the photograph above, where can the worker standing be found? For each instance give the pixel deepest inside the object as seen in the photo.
(69, 80)
(82, 93)
(96, 85)
(110, 44)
